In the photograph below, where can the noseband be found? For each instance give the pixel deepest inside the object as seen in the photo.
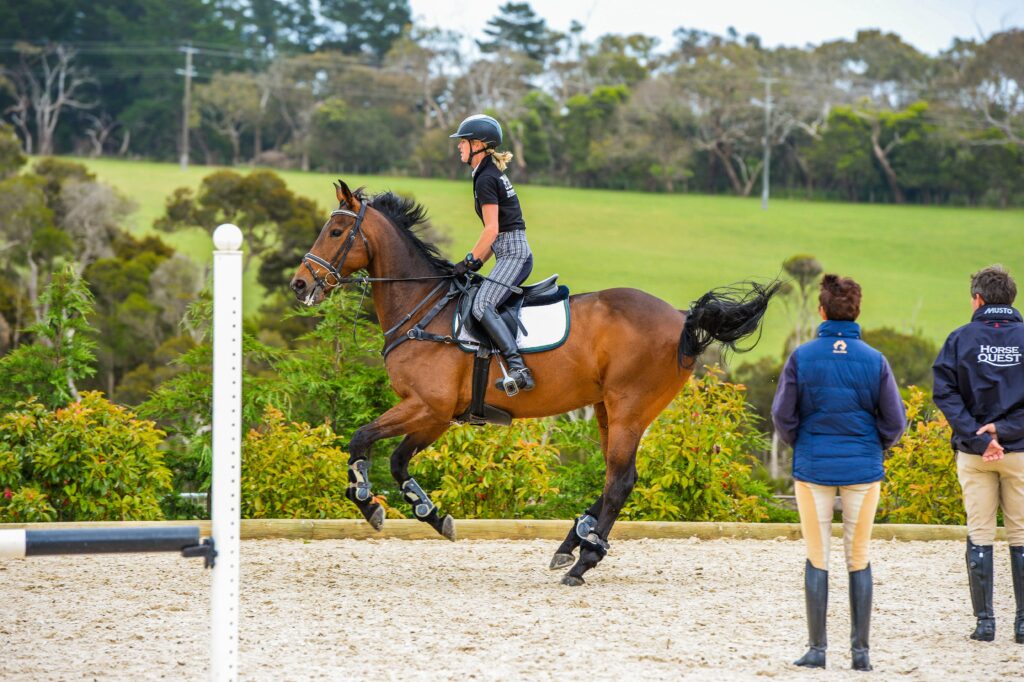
(332, 270)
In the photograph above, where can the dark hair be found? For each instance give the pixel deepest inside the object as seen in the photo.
(840, 297)
(994, 285)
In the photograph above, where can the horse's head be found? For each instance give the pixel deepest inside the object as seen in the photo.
(340, 250)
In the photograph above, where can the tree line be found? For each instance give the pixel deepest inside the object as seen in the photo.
(357, 86)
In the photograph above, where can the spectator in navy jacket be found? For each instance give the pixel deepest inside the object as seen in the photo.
(979, 386)
(837, 404)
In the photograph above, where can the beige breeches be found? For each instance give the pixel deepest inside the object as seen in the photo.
(988, 486)
(815, 505)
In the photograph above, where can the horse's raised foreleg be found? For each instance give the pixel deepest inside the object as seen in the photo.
(582, 526)
(422, 506)
(620, 477)
(405, 417)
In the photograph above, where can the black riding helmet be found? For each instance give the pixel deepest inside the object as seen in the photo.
(480, 127)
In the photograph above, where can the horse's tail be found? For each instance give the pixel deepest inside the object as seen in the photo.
(727, 315)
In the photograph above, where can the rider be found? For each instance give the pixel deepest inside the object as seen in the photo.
(504, 235)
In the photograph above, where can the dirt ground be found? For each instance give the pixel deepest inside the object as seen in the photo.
(490, 610)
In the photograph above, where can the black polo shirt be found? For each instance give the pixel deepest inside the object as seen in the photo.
(491, 186)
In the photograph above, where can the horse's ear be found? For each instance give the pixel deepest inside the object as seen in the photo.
(345, 195)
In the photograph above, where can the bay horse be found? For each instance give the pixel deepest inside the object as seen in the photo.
(628, 355)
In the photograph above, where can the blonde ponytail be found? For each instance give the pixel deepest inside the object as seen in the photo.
(501, 159)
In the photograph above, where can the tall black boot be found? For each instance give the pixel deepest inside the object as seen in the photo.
(861, 589)
(1017, 567)
(506, 343)
(816, 598)
(979, 573)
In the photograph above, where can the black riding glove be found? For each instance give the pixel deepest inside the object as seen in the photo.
(468, 264)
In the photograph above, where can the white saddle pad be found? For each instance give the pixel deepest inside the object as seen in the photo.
(547, 327)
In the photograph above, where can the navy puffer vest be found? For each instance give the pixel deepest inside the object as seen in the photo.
(839, 379)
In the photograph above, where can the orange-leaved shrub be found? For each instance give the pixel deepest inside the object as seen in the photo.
(695, 462)
(88, 461)
(920, 483)
(293, 470)
(489, 472)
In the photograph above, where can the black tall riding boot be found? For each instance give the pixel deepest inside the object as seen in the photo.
(816, 598)
(506, 343)
(979, 573)
(861, 589)
(1017, 567)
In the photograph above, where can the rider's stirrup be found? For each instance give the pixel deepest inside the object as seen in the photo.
(507, 383)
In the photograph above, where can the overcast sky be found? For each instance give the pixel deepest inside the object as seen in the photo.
(929, 25)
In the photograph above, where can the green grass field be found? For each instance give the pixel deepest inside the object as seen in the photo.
(913, 261)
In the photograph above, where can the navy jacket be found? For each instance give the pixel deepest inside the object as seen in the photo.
(837, 404)
(979, 379)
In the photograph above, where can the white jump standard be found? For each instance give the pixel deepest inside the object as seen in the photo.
(221, 551)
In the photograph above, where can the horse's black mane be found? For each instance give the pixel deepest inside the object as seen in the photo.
(410, 218)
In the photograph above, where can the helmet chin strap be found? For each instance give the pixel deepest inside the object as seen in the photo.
(483, 150)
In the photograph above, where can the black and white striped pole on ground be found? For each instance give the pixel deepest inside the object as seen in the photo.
(19, 544)
(227, 469)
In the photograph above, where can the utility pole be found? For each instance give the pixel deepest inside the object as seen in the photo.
(765, 171)
(186, 102)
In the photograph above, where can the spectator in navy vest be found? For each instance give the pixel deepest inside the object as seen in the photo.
(837, 404)
(979, 386)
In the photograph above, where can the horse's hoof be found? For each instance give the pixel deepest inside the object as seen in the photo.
(571, 580)
(377, 518)
(561, 560)
(448, 527)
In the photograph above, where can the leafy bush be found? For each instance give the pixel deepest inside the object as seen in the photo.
(64, 352)
(89, 461)
(910, 355)
(489, 472)
(920, 475)
(695, 462)
(293, 470)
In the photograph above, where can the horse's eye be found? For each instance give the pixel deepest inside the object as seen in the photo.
(335, 233)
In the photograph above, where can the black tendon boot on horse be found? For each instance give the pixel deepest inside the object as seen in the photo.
(506, 343)
(979, 573)
(582, 527)
(860, 617)
(816, 598)
(359, 492)
(1017, 568)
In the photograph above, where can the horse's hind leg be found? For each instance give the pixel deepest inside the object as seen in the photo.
(582, 526)
(422, 507)
(620, 477)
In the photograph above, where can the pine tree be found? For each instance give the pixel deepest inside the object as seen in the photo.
(518, 28)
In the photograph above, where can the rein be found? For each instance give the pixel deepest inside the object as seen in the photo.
(334, 272)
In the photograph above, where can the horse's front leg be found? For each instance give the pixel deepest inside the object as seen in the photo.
(422, 507)
(405, 417)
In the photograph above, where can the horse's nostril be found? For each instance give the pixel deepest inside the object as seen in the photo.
(298, 285)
